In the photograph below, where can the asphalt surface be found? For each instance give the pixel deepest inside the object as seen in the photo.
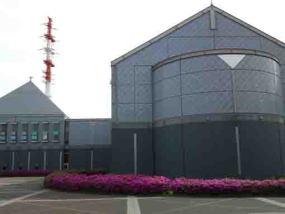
(27, 196)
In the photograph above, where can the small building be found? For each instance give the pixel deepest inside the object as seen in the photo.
(31, 130)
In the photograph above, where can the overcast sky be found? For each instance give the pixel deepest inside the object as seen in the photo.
(92, 33)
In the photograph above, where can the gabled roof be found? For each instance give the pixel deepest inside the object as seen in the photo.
(28, 99)
(181, 24)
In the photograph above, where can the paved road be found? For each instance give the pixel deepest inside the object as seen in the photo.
(26, 196)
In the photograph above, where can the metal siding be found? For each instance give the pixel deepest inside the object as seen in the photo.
(126, 94)
(228, 27)
(143, 112)
(206, 82)
(198, 27)
(203, 63)
(206, 103)
(177, 45)
(143, 93)
(166, 71)
(170, 107)
(89, 132)
(237, 42)
(254, 102)
(250, 80)
(274, 49)
(142, 74)
(126, 112)
(167, 88)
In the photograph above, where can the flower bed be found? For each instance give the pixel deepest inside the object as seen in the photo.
(131, 184)
(25, 173)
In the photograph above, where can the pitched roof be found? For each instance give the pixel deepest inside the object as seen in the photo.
(28, 99)
(186, 21)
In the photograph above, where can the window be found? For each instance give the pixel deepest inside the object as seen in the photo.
(3, 133)
(13, 134)
(24, 133)
(55, 132)
(34, 132)
(45, 132)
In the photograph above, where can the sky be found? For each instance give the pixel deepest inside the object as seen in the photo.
(90, 34)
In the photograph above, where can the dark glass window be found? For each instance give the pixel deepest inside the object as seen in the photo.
(45, 132)
(34, 132)
(55, 132)
(3, 133)
(24, 133)
(13, 134)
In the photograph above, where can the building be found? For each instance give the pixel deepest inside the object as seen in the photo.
(36, 134)
(31, 130)
(203, 99)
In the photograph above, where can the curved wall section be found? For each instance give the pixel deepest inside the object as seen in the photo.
(217, 83)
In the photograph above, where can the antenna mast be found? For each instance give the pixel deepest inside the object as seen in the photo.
(49, 52)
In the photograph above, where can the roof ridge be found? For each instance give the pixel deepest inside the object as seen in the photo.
(186, 21)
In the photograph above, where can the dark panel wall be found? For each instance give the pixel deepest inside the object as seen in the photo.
(169, 152)
(260, 149)
(123, 150)
(102, 158)
(210, 149)
(53, 160)
(37, 159)
(80, 159)
(5, 160)
(21, 160)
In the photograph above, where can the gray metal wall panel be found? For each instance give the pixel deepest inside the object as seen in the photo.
(143, 93)
(252, 62)
(166, 71)
(167, 88)
(143, 112)
(126, 94)
(206, 82)
(170, 107)
(257, 102)
(126, 112)
(228, 27)
(89, 132)
(206, 103)
(198, 27)
(274, 49)
(250, 80)
(125, 75)
(180, 45)
(143, 74)
(203, 63)
(237, 42)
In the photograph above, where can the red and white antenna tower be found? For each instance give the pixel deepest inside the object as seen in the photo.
(49, 52)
